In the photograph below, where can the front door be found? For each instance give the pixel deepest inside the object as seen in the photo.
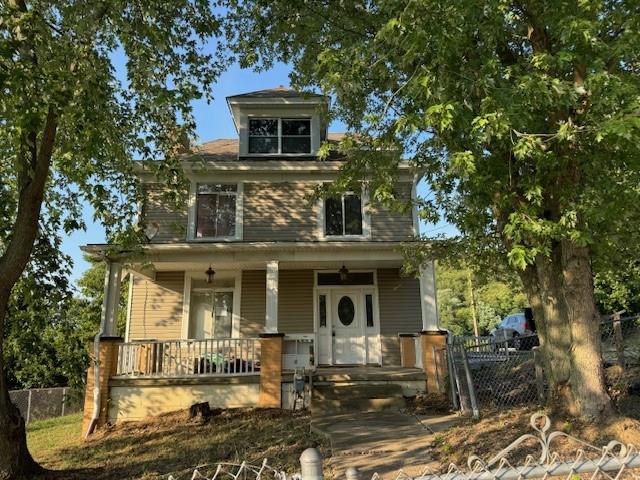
(348, 327)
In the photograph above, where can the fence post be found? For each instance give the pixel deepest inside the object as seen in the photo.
(619, 340)
(64, 398)
(537, 360)
(352, 473)
(506, 343)
(455, 391)
(28, 407)
(470, 385)
(311, 464)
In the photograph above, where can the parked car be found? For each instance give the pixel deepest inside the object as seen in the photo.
(518, 329)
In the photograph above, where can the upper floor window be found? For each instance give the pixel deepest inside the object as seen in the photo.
(216, 210)
(343, 215)
(279, 135)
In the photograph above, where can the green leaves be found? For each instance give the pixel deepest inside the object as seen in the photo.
(519, 117)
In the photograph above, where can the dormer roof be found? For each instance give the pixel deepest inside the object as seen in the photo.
(277, 92)
(280, 96)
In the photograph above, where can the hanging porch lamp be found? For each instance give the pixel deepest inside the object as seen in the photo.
(344, 273)
(210, 273)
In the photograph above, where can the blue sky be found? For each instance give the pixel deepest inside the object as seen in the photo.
(213, 121)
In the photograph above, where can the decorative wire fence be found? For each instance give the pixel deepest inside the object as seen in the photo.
(43, 403)
(540, 454)
(488, 372)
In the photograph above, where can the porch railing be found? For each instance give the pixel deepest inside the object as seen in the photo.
(178, 358)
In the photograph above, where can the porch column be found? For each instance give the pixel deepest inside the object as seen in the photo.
(428, 294)
(271, 314)
(111, 301)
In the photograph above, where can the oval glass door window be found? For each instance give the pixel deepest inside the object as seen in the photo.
(346, 311)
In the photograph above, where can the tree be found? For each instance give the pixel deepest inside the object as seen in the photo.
(48, 328)
(70, 126)
(497, 295)
(523, 117)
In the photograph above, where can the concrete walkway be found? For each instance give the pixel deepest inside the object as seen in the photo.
(380, 442)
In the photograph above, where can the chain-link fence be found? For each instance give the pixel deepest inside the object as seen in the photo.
(488, 373)
(620, 343)
(492, 372)
(43, 403)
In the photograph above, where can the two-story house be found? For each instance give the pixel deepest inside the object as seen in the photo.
(252, 275)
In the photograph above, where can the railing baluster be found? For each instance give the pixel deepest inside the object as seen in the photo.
(170, 358)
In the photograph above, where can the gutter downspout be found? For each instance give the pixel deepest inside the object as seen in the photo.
(96, 352)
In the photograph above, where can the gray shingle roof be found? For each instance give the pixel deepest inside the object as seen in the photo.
(277, 92)
(227, 148)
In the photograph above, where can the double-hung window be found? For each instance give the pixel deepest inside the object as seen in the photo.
(216, 210)
(279, 135)
(343, 215)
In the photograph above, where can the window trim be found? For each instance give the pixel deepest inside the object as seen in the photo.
(192, 214)
(279, 135)
(366, 219)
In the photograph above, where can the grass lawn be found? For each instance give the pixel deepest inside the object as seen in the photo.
(172, 444)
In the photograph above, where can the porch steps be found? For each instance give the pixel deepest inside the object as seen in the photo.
(343, 397)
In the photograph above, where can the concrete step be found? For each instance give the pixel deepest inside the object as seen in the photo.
(345, 398)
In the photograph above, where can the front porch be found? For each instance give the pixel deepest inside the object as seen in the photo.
(237, 336)
(143, 379)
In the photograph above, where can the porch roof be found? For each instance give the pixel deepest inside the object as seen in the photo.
(358, 254)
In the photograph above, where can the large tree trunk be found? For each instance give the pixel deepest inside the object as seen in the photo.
(587, 373)
(560, 291)
(15, 459)
(32, 165)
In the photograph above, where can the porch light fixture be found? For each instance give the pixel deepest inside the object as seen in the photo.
(210, 273)
(344, 273)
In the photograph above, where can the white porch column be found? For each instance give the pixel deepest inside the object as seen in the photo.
(111, 301)
(428, 293)
(271, 318)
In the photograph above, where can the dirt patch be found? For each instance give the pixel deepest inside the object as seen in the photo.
(429, 404)
(496, 430)
(175, 444)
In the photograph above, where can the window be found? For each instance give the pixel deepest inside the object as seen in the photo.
(354, 278)
(263, 135)
(368, 300)
(296, 136)
(280, 135)
(323, 310)
(216, 210)
(343, 216)
(211, 314)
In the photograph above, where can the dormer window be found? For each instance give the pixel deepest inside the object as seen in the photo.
(279, 135)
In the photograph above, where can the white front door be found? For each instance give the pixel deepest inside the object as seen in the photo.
(348, 327)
